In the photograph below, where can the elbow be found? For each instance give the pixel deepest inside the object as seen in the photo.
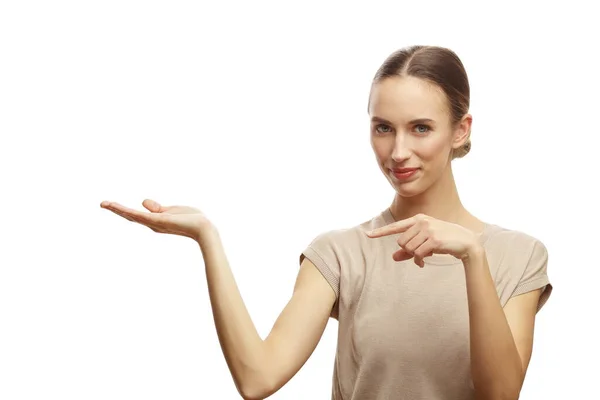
(255, 385)
(255, 389)
(253, 395)
(257, 380)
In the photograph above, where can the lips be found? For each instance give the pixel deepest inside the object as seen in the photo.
(404, 170)
(404, 174)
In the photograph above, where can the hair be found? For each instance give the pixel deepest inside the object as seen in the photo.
(437, 65)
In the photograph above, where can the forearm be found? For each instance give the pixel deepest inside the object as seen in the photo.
(241, 344)
(495, 363)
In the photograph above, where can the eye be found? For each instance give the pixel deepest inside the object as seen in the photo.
(382, 128)
(421, 128)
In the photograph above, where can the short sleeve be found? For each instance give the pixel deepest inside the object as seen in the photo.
(535, 274)
(325, 252)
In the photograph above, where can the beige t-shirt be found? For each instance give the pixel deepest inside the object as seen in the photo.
(403, 331)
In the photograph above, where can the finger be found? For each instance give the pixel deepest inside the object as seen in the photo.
(425, 250)
(156, 222)
(419, 261)
(153, 206)
(114, 206)
(402, 255)
(134, 215)
(122, 214)
(414, 243)
(138, 215)
(390, 229)
(408, 235)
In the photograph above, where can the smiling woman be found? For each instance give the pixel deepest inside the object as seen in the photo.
(432, 302)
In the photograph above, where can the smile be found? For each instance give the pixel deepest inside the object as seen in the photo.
(404, 174)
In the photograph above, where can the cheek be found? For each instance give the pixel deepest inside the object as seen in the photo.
(432, 149)
(382, 149)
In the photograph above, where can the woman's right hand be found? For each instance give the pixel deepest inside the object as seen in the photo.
(259, 367)
(175, 220)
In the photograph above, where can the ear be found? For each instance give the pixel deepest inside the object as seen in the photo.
(462, 131)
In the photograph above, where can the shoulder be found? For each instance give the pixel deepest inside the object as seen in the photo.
(342, 239)
(514, 244)
(353, 234)
(337, 250)
(342, 245)
(519, 262)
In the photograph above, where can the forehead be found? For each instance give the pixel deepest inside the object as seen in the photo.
(406, 98)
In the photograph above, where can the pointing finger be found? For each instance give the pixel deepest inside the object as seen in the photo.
(390, 229)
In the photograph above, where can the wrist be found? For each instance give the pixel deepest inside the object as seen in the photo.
(206, 233)
(474, 254)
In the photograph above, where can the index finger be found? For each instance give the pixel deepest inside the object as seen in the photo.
(390, 229)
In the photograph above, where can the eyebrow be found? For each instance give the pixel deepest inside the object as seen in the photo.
(414, 121)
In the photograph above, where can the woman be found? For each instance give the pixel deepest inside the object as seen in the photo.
(432, 302)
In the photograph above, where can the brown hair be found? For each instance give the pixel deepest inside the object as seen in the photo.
(440, 66)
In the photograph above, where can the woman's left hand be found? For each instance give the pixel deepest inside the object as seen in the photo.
(422, 236)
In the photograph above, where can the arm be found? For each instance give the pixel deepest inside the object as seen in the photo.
(261, 367)
(501, 339)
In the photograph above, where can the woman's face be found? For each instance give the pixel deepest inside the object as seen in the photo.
(411, 132)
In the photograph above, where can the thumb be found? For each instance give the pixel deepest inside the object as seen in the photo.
(152, 205)
(402, 255)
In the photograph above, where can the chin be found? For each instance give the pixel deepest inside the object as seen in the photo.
(405, 192)
(408, 189)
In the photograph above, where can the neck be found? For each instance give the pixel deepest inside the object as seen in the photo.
(440, 201)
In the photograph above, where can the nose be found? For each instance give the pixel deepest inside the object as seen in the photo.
(401, 151)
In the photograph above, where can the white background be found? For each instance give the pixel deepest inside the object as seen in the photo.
(255, 112)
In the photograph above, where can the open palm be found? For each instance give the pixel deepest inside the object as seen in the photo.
(176, 220)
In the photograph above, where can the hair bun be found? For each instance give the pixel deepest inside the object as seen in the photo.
(462, 150)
